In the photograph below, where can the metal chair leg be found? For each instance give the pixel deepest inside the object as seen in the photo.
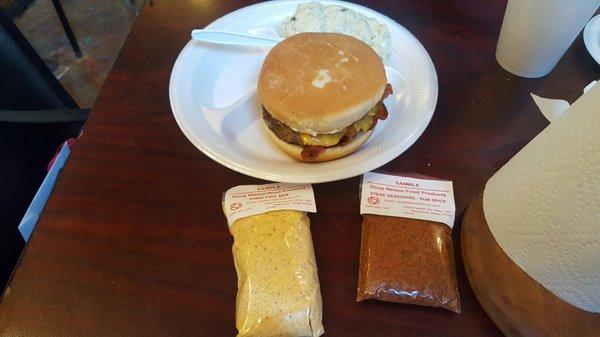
(67, 27)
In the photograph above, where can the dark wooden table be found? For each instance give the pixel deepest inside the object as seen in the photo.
(133, 241)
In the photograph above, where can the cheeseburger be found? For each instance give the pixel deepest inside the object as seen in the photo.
(322, 95)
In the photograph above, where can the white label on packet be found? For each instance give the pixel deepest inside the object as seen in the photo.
(245, 200)
(413, 198)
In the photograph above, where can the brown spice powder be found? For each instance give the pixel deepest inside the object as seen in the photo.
(407, 261)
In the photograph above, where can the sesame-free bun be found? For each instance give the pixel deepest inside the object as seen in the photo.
(321, 82)
(330, 153)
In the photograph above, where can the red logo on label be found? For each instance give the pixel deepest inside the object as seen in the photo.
(373, 200)
(235, 205)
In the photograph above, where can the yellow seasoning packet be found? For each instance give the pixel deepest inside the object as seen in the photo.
(278, 286)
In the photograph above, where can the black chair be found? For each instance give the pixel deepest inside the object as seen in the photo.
(13, 8)
(36, 116)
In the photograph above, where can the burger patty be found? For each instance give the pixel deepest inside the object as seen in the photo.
(344, 136)
(315, 145)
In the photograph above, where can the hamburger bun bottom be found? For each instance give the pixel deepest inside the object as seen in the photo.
(330, 153)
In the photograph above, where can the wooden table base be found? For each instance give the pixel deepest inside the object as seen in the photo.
(518, 304)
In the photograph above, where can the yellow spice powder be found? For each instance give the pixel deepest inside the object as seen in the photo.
(278, 286)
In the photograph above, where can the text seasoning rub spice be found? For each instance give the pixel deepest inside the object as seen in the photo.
(406, 251)
(278, 286)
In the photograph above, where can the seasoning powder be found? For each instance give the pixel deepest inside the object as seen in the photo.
(407, 261)
(278, 286)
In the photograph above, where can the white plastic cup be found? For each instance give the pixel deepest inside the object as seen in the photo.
(535, 34)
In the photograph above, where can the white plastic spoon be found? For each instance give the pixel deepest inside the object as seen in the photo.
(233, 39)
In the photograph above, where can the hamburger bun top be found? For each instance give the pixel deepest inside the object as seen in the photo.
(321, 82)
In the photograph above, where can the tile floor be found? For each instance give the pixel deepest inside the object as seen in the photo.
(100, 26)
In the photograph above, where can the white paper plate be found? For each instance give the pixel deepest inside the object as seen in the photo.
(215, 76)
(591, 37)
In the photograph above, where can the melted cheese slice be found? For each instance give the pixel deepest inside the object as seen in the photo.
(322, 139)
(331, 139)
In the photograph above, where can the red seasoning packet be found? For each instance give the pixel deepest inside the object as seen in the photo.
(406, 247)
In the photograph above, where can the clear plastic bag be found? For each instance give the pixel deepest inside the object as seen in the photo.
(278, 287)
(407, 261)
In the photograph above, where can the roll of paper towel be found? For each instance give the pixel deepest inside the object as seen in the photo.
(543, 206)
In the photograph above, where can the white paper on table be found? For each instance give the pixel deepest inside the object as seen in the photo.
(551, 108)
(554, 108)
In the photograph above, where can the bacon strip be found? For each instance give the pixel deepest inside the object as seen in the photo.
(387, 91)
(311, 152)
(382, 112)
